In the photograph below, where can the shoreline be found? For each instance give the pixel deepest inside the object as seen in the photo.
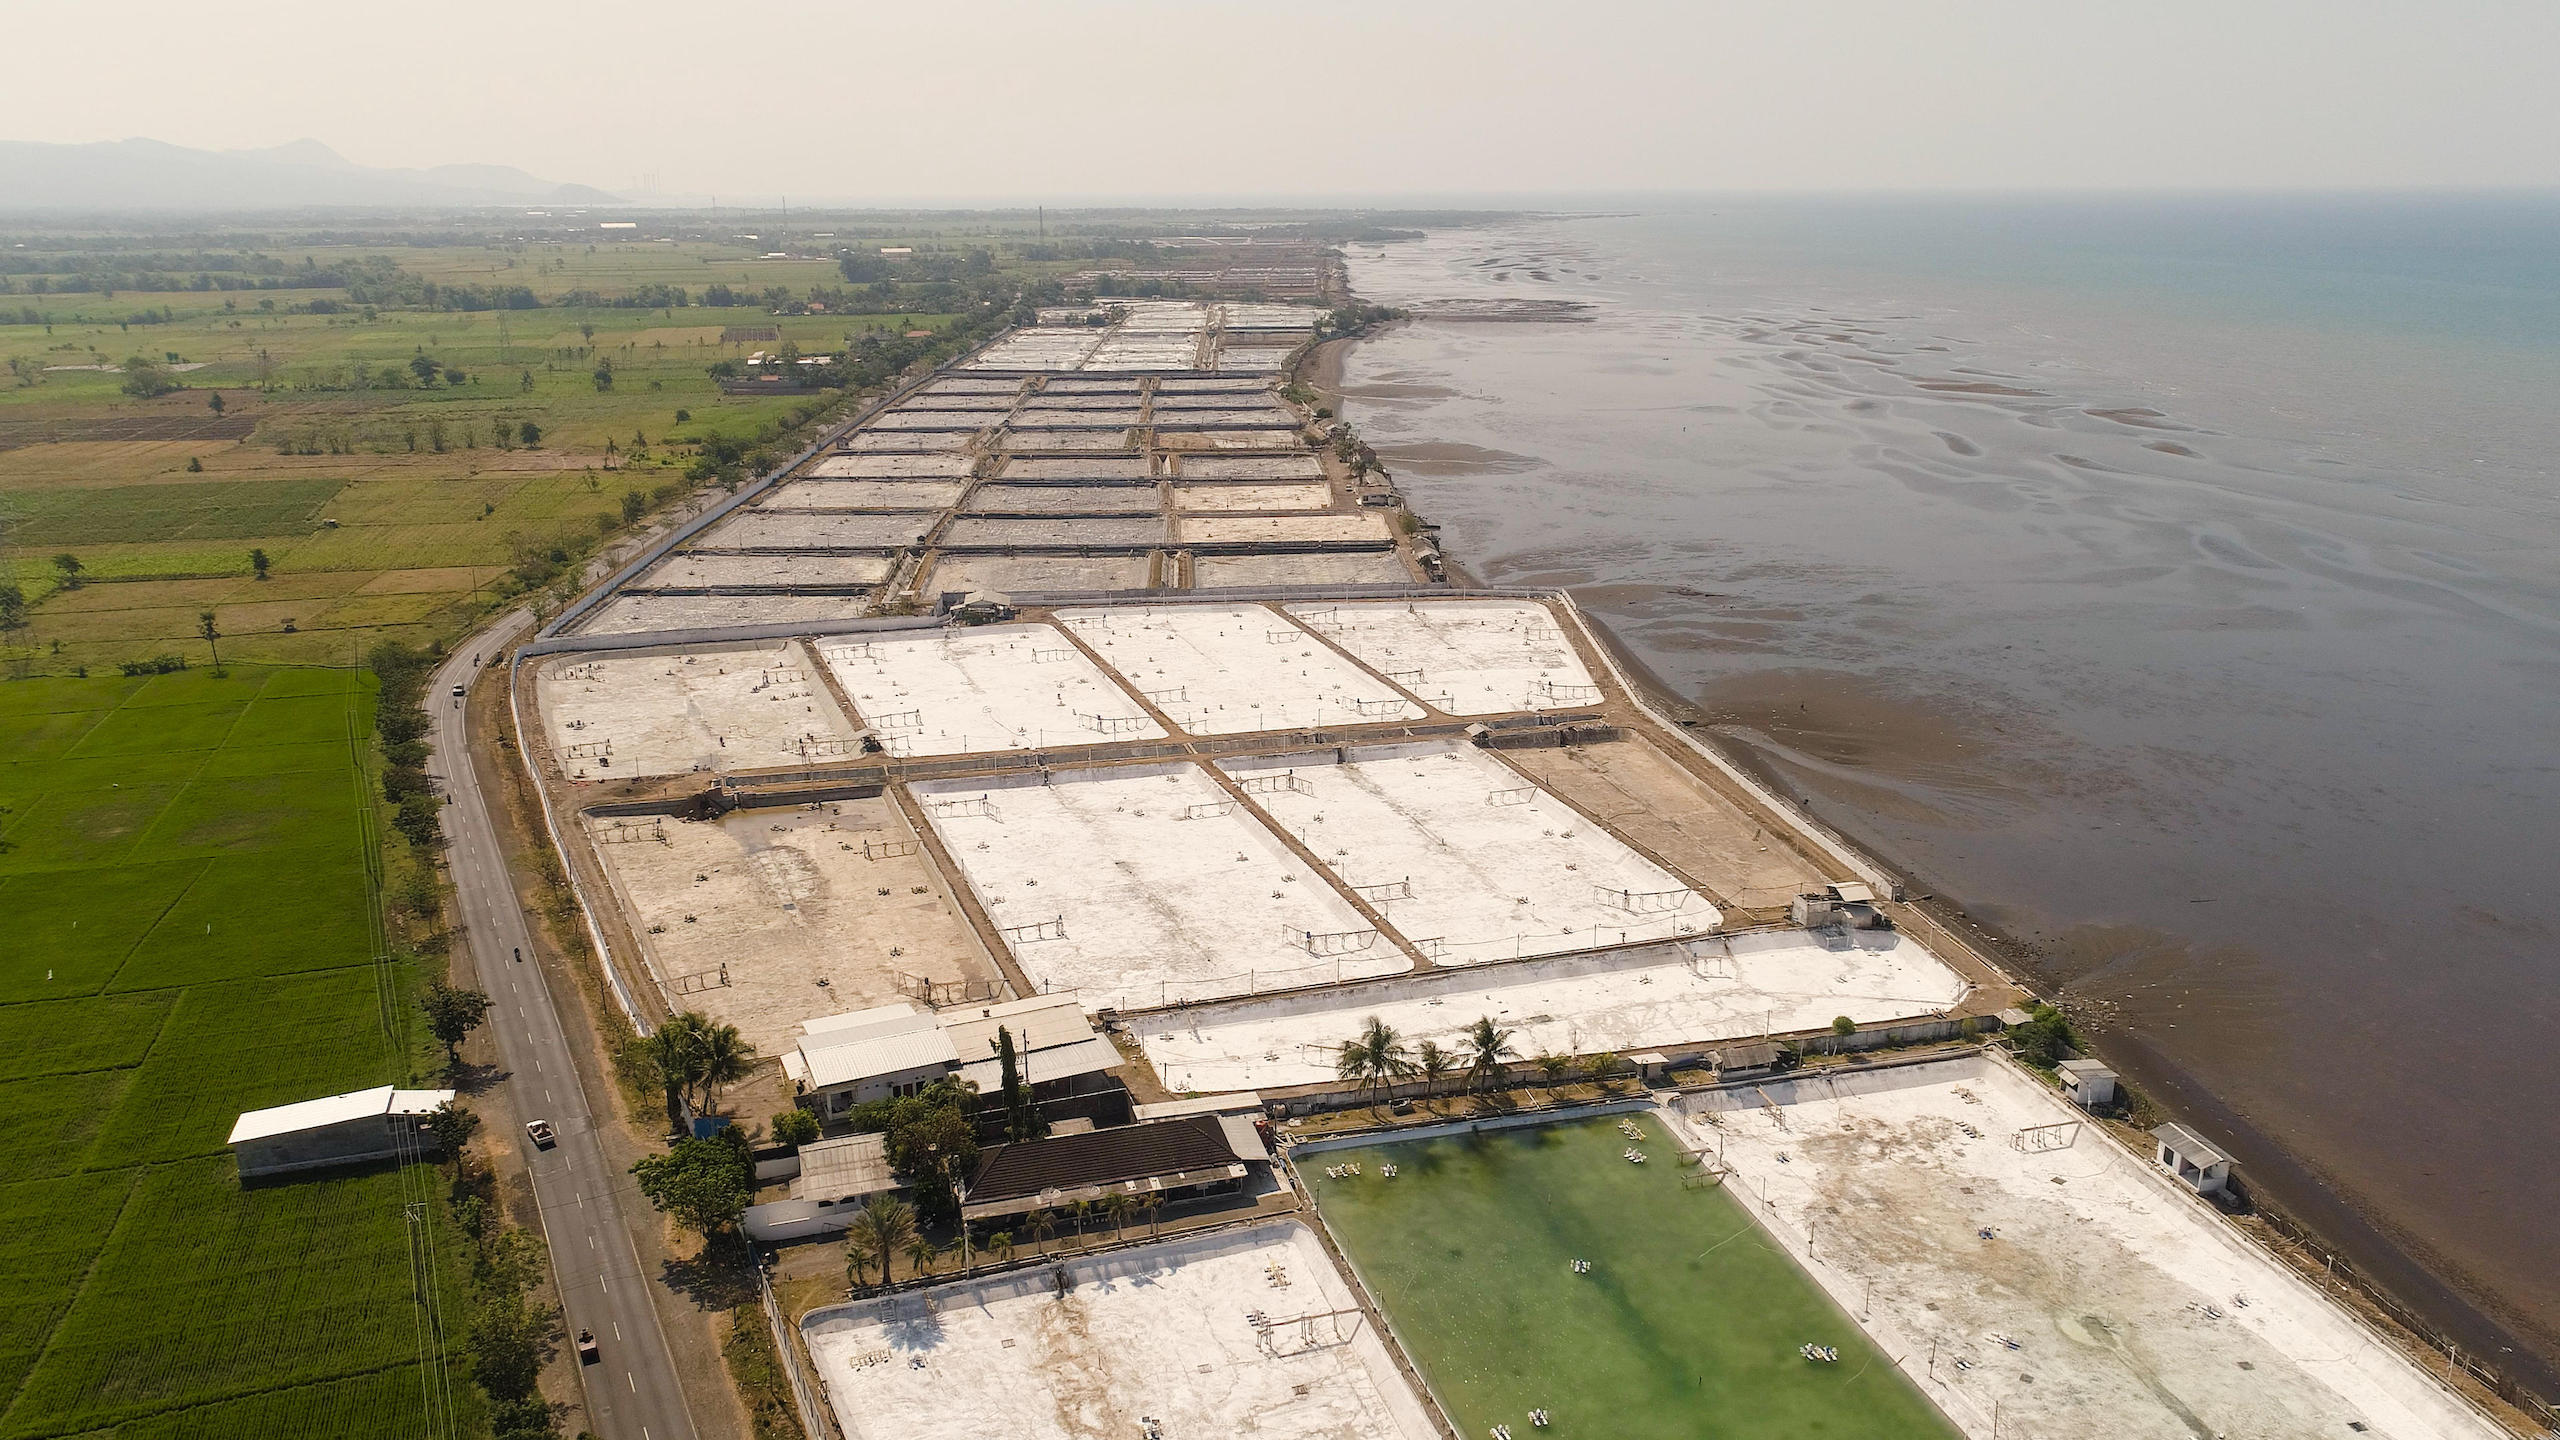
(2435, 1309)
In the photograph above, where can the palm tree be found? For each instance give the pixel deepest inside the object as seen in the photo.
(861, 1247)
(892, 1224)
(1433, 1064)
(1489, 1053)
(1080, 1212)
(1153, 1203)
(1000, 1245)
(921, 1253)
(1042, 1225)
(1601, 1067)
(1375, 1059)
(726, 1058)
(1118, 1207)
(676, 1046)
(1552, 1070)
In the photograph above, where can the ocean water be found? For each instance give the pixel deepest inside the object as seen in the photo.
(2175, 583)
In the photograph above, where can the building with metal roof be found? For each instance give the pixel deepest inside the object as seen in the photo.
(361, 1125)
(864, 1055)
(1178, 1158)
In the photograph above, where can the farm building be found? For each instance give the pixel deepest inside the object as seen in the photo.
(335, 1130)
(865, 1055)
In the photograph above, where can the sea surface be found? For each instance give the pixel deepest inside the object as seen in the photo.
(2172, 582)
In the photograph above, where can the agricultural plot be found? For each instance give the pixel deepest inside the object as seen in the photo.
(765, 918)
(1021, 574)
(673, 712)
(1247, 498)
(1347, 529)
(891, 467)
(1146, 885)
(994, 687)
(1224, 669)
(1468, 657)
(2027, 1267)
(1468, 860)
(1375, 567)
(1243, 1332)
(634, 614)
(1535, 1268)
(864, 495)
(187, 864)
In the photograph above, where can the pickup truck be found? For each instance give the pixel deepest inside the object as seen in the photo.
(539, 1131)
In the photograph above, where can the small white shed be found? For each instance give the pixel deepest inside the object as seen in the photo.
(347, 1129)
(2089, 1084)
(2198, 1166)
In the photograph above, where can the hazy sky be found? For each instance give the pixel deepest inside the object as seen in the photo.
(1149, 98)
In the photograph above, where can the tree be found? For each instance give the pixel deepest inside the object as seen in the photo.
(933, 1146)
(795, 1127)
(419, 819)
(1375, 1059)
(1020, 1121)
(1042, 1226)
(213, 402)
(1000, 1245)
(726, 1059)
(634, 505)
(258, 562)
(1843, 1026)
(145, 378)
(604, 375)
(1602, 1066)
(424, 368)
(1153, 1203)
(1118, 1205)
(195, 464)
(860, 1249)
(212, 635)
(13, 607)
(70, 568)
(1433, 1064)
(1489, 1052)
(529, 434)
(676, 1046)
(703, 1183)
(1552, 1070)
(452, 1014)
(889, 1223)
(452, 1125)
(524, 382)
(921, 1252)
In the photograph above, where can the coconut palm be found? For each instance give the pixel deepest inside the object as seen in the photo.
(892, 1227)
(1489, 1053)
(1153, 1203)
(1042, 1226)
(861, 1247)
(676, 1046)
(1080, 1211)
(1375, 1059)
(1602, 1067)
(921, 1253)
(1433, 1064)
(1552, 1069)
(1000, 1245)
(726, 1058)
(1118, 1207)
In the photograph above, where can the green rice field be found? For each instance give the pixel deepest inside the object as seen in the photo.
(186, 932)
(1687, 1324)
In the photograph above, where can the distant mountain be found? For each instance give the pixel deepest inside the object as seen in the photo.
(150, 175)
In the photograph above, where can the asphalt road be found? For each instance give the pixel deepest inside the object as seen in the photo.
(632, 1391)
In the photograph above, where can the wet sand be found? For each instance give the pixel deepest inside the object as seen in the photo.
(2167, 714)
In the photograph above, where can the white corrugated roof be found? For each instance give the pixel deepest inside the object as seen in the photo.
(1090, 1056)
(894, 1046)
(311, 1114)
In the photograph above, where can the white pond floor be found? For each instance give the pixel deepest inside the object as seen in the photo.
(640, 614)
(1468, 858)
(996, 687)
(1674, 998)
(613, 717)
(1469, 657)
(1156, 1333)
(2107, 1300)
(1227, 669)
(1146, 885)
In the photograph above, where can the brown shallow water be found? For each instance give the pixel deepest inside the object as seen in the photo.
(2217, 663)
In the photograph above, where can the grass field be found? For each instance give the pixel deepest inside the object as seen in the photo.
(1687, 1324)
(188, 935)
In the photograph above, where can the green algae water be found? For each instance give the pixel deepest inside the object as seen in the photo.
(1687, 1324)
